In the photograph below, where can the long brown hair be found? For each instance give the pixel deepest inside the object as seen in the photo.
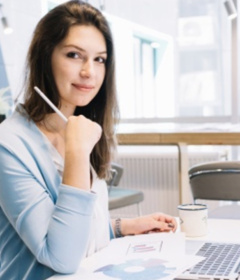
(103, 109)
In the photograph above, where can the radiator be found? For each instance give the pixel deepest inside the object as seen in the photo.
(154, 170)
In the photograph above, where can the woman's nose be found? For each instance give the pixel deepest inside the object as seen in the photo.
(86, 70)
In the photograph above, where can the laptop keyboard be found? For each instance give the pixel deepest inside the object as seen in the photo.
(220, 259)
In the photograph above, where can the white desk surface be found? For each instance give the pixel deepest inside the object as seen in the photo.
(222, 230)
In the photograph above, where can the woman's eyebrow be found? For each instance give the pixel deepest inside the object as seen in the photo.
(83, 50)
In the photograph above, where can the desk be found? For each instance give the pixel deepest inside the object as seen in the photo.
(173, 138)
(219, 230)
(181, 138)
(222, 230)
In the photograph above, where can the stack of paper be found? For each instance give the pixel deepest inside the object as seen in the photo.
(150, 256)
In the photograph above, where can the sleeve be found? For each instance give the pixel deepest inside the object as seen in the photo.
(55, 232)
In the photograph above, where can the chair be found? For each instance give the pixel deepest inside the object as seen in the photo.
(217, 181)
(121, 197)
(2, 118)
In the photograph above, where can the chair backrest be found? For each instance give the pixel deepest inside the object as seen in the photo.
(216, 181)
(116, 175)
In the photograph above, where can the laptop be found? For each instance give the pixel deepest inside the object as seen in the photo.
(222, 260)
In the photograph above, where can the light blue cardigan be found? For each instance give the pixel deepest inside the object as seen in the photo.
(41, 220)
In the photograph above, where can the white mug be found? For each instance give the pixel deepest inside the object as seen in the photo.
(193, 219)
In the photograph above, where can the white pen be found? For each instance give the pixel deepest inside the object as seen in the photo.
(49, 102)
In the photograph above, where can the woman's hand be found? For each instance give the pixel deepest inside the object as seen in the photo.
(81, 136)
(82, 133)
(156, 222)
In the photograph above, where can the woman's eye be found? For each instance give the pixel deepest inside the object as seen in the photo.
(73, 55)
(101, 60)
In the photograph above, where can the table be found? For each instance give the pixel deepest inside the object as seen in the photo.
(180, 136)
(172, 138)
(222, 230)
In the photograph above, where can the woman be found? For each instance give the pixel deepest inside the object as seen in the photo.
(53, 195)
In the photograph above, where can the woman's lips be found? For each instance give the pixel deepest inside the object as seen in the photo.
(83, 87)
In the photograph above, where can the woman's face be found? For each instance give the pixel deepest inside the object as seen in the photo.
(78, 65)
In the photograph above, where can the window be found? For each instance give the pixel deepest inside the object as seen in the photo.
(204, 59)
(153, 76)
(181, 76)
(145, 70)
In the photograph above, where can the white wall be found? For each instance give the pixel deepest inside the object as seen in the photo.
(159, 15)
(22, 17)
